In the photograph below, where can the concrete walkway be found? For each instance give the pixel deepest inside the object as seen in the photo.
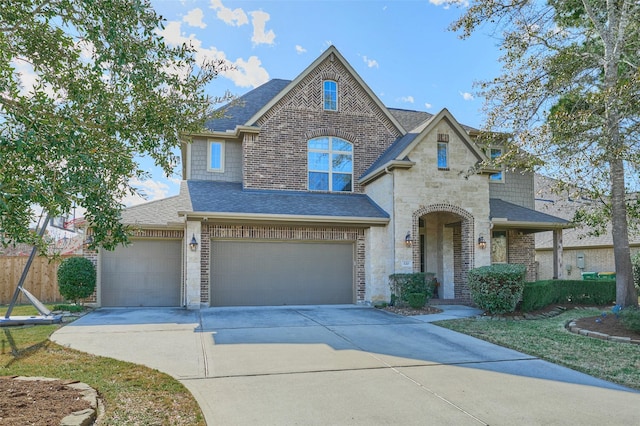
(347, 365)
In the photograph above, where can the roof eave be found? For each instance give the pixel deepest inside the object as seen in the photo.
(536, 226)
(393, 164)
(284, 218)
(227, 134)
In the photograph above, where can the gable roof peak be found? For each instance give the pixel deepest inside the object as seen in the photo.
(332, 54)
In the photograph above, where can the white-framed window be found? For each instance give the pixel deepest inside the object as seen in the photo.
(330, 95)
(495, 152)
(215, 156)
(330, 164)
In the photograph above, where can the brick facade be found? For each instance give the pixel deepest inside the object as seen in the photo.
(521, 250)
(277, 157)
(463, 245)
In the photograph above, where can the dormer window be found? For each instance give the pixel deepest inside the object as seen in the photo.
(330, 95)
(330, 164)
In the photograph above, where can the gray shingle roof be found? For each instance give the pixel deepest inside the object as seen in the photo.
(515, 213)
(240, 110)
(410, 119)
(159, 213)
(225, 197)
(392, 152)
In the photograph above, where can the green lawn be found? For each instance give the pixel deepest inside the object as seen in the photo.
(548, 339)
(132, 394)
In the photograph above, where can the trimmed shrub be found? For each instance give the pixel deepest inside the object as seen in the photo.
(413, 289)
(76, 278)
(497, 288)
(630, 318)
(537, 295)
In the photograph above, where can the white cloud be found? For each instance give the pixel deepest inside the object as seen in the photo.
(466, 96)
(235, 17)
(150, 190)
(194, 18)
(427, 105)
(248, 73)
(244, 73)
(300, 49)
(407, 99)
(448, 3)
(259, 20)
(371, 63)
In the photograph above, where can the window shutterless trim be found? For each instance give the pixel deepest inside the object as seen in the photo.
(222, 152)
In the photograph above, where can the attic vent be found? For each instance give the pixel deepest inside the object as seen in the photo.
(443, 137)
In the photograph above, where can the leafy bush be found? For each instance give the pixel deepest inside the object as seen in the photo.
(413, 289)
(630, 318)
(76, 278)
(497, 288)
(68, 308)
(539, 294)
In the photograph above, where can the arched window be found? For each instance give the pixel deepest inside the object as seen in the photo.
(330, 164)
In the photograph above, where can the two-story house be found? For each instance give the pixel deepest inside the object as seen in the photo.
(311, 191)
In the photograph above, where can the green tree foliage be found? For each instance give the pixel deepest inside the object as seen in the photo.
(105, 90)
(76, 278)
(569, 95)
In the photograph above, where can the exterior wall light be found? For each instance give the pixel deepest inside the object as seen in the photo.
(193, 245)
(407, 239)
(482, 243)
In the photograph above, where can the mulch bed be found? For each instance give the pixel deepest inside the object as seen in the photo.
(38, 402)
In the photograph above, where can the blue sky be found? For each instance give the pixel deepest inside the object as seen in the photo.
(401, 49)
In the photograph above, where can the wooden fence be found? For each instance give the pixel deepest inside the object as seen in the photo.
(42, 280)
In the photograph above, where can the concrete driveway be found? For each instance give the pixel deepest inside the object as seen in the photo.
(346, 365)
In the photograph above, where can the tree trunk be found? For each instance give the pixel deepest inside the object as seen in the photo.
(626, 294)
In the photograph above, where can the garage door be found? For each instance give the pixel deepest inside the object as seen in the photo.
(255, 273)
(144, 273)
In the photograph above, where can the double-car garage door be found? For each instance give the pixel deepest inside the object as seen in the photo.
(144, 273)
(254, 273)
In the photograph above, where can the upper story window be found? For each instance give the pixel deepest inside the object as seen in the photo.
(215, 156)
(330, 163)
(443, 151)
(330, 95)
(495, 153)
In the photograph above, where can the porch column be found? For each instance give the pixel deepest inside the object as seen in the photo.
(558, 272)
(192, 266)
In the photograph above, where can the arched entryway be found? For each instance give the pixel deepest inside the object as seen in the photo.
(445, 247)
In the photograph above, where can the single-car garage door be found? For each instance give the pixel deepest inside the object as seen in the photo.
(144, 273)
(255, 273)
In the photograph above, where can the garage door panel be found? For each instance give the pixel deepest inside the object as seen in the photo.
(144, 273)
(281, 273)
